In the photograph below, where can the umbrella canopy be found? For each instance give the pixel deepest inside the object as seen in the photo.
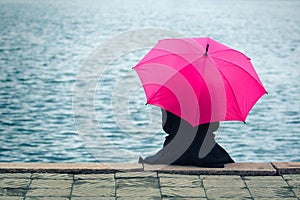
(199, 80)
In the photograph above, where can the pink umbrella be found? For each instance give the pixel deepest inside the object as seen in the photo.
(200, 80)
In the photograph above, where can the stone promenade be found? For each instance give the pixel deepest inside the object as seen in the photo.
(79, 181)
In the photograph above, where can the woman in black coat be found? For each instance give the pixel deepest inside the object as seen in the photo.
(188, 145)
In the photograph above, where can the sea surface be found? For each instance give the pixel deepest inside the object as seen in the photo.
(57, 107)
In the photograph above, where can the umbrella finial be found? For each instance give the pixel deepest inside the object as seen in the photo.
(206, 50)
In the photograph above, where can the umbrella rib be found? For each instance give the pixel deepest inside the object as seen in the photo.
(233, 94)
(196, 46)
(169, 53)
(214, 52)
(240, 67)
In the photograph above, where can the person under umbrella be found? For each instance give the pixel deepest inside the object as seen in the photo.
(200, 148)
(197, 82)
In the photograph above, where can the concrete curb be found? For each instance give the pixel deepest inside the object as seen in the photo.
(250, 168)
(73, 168)
(287, 167)
(229, 169)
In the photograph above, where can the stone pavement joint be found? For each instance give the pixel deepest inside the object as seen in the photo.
(168, 182)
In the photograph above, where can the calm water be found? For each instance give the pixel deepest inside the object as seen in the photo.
(44, 44)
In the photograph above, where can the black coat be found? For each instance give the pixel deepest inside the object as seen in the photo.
(188, 145)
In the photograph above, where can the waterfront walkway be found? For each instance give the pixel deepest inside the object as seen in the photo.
(77, 181)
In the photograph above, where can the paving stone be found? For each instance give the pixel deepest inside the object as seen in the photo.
(93, 183)
(297, 192)
(263, 178)
(221, 177)
(49, 183)
(184, 198)
(222, 181)
(52, 176)
(271, 192)
(137, 192)
(232, 198)
(180, 182)
(93, 192)
(48, 193)
(212, 183)
(227, 192)
(11, 197)
(177, 175)
(281, 198)
(136, 174)
(143, 198)
(12, 192)
(46, 198)
(15, 175)
(265, 181)
(291, 176)
(265, 184)
(93, 198)
(182, 191)
(14, 183)
(294, 183)
(93, 176)
(138, 182)
(293, 180)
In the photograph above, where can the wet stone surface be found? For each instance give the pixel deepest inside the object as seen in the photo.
(93, 191)
(88, 187)
(52, 176)
(293, 180)
(227, 192)
(146, 185)
(48, 192)
(52, 184)
(17, 183)
(12, 192)
(137, 184)
(266, 182)
(15, 175)
(270, 192)
(182, 182)
(12, 198)
(176, 191)
(138, 192)
(223, 181)
(93, 176)
(218, 187)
